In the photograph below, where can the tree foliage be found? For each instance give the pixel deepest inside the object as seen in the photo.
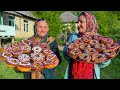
(109, 23)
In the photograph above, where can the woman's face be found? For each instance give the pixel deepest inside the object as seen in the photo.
(42, 28)
(81, 24)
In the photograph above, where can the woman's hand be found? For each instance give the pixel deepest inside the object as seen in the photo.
(67, 43)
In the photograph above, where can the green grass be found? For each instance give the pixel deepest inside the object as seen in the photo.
(18, 39)
(9, 73)
(60, 70)
(112, 71)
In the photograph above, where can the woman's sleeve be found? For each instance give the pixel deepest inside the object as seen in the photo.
(104, 64)
(55, 49)
(72, 38)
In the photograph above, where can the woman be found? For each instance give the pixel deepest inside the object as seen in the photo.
(41, 32)
(86, 25)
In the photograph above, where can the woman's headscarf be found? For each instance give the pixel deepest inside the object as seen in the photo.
(92, 26)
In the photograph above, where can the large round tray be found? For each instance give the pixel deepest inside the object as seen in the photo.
(117, 52)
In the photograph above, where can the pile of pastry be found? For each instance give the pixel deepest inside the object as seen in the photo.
(93, 48)
(27, 56)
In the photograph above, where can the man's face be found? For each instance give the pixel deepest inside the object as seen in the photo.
(42, 28)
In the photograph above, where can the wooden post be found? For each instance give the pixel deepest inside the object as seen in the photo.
(36, 75)
(12, 39)
(0, 43)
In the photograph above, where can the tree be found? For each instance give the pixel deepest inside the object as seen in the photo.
(109, 23)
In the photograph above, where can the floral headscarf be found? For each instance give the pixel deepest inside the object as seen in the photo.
(92, 26)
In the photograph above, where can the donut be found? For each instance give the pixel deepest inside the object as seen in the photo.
(33, 44)
(26, 46)
(70, 46)
(76, 41)
(109, 53)
(26, 49)
(82, 46)
(105, 40)
(24, 66)
(77, 46)
(16, 44)
(16, 51)
(51, 61)
(88, 37)
(51, 57)
(45, 46)
(97, 37)
(94, 57)
(5, 55)
(87, 50)
(37, 49)
(26, 42)
(24, 58)
(99, 58)
(6, 48)
(37, 57)
(100, 47)
(46, 52)
(37, 66)
(113, 46)
(85, 57)
(12, 62)
(93, 42)
(85, 39)
(74, 53)
(93, 52)
(86, 45)
(36, 39)
(50, 64)
(109, 40)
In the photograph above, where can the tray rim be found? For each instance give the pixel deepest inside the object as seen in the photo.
(117, 52)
